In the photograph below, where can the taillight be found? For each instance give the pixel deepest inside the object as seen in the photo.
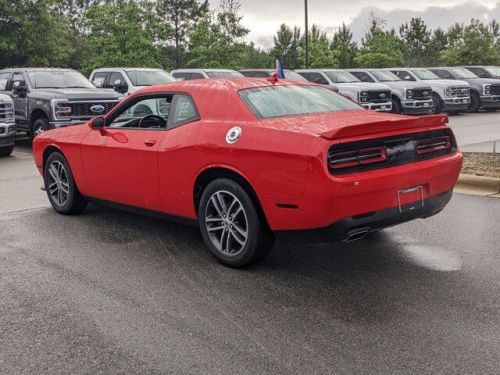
(354, 158)
(426, 146)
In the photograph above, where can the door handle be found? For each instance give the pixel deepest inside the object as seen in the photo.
(150, 142)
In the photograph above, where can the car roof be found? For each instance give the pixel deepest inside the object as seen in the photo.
(126, 69)
(40, 69)
(202, 70)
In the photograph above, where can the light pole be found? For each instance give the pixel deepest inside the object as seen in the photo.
(307, 34)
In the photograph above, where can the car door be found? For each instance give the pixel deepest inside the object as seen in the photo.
(4, 81)
(121, 160)
(20, 102)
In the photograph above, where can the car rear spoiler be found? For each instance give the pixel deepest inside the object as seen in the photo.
(386, 126)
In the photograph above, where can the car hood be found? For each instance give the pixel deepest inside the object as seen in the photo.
(338, 125)
(361, 86)
(78, 94)
(445, 82)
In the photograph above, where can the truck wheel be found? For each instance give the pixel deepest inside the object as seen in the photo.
(6, 151)
(39, 126)
(230, 225)
(396, 105)
(60, 186)
(436, 104)
(475, 102)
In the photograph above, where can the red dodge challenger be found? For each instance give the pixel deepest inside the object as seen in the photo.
(249, 159)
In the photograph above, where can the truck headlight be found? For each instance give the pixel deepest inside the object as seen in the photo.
(62, 108)
(409, 94)
(487, 89)
(363, 96)
(447, 91)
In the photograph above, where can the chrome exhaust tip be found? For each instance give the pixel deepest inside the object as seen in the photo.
(356, 235)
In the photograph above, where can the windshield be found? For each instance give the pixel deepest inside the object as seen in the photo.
(493, 70)
(148, 77)
(59, 80)
(463, 73)
(424, 74)
(294, 100)
(341, 77)
(385, 76)
(223, 74)
(289, 74)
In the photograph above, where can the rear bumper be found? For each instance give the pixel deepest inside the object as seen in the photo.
(350, 227)
(327, 199)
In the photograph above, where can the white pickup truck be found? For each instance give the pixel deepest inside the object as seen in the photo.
(7, 125)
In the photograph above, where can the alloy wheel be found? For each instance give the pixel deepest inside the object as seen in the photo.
(226, 223)
(58, 185)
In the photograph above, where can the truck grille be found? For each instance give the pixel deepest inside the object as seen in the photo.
(495, 90)
(424, 93)
(378, 97)
(83, 109)
(388, 152)
(460, 92)
(6, 112)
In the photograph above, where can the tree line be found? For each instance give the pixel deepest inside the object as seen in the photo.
(87, 34)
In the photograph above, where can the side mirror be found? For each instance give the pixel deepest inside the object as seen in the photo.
(120, 87)
(20, 90)
(97, 123)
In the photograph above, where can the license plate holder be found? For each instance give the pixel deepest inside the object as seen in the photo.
(410, 199)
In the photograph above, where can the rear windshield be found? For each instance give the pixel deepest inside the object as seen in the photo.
(294, 100)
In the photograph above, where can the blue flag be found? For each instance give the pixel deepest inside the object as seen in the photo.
(280, 70)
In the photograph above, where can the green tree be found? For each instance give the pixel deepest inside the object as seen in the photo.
(121, 33)
(380, 48)
(216, 41)
(254, 57)
(438, 43)
(320, 54)
(344, 48)
(471, 44)
(417, 39)
(286, 46)
(31, 34)
(179, 18)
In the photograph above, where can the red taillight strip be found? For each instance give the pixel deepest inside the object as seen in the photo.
(358, 157)
(425, 146)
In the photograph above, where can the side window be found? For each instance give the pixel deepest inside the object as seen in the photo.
(4, 80)
(115, 78)
(480, 72)
(316, 78)
(183, 111)
(443, 74)
(17, 80)
(99, 79)
(181, 76)
(197, 76)
(362, 76)
(151, 112)
(261, 75)
(403, 75)
(248, 74)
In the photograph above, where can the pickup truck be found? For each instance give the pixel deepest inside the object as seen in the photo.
(46, 98)
(7, 125)
(484, 92)
(128, 80)
(410, 98)
(191, 74)
(374, 96)
(483, 71)
(447, 95)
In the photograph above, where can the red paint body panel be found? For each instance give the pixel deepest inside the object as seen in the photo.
(283, 159)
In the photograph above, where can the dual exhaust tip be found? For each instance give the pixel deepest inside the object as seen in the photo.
(355, 235)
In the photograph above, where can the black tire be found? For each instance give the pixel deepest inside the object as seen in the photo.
(6, 151)
(74, 202)
(475, 102)
(396, 105)
(39, 126)
(436, 104)
(230, 250)
(491, 109)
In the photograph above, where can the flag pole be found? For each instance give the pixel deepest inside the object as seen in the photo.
(307, 34)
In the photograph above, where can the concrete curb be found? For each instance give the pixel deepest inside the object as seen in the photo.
(478, 185)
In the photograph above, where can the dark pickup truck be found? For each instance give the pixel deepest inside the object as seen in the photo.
(47, 98)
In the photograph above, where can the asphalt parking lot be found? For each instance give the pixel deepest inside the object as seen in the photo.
(113, 292)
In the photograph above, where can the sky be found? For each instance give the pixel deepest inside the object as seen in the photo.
(263, 17)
